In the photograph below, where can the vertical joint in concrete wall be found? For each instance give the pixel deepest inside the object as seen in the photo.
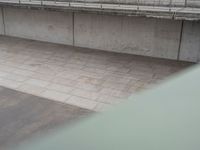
(73, 28)
(180, 40)
(3, 19)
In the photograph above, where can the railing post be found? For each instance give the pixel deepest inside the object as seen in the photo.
(138, 1)
(185, 3)
(170, 5)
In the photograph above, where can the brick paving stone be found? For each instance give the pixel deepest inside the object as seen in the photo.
(84, 77)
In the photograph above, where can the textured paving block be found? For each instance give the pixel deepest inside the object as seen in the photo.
(82, 102)
(55, 95)
(91, 77)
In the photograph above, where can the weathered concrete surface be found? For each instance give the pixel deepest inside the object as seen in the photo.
(23, 116)
(41, 25)
(133, 35)
(162, 38)
(1, 22)
(190, 44)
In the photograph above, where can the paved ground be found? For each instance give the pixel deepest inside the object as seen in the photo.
(23, 116)
(86, 78)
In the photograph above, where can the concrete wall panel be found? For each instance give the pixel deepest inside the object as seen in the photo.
(1, 23)
(39, 25)
(134, 35)
(190, 45)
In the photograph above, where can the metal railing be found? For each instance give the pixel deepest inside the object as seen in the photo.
(166, 3)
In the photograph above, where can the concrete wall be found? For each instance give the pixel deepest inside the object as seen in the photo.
(134, 35)
(1, 22)
(39, 25)
(190, 44)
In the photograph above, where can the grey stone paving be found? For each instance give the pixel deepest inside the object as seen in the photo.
(24, 116)
(91, 79)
